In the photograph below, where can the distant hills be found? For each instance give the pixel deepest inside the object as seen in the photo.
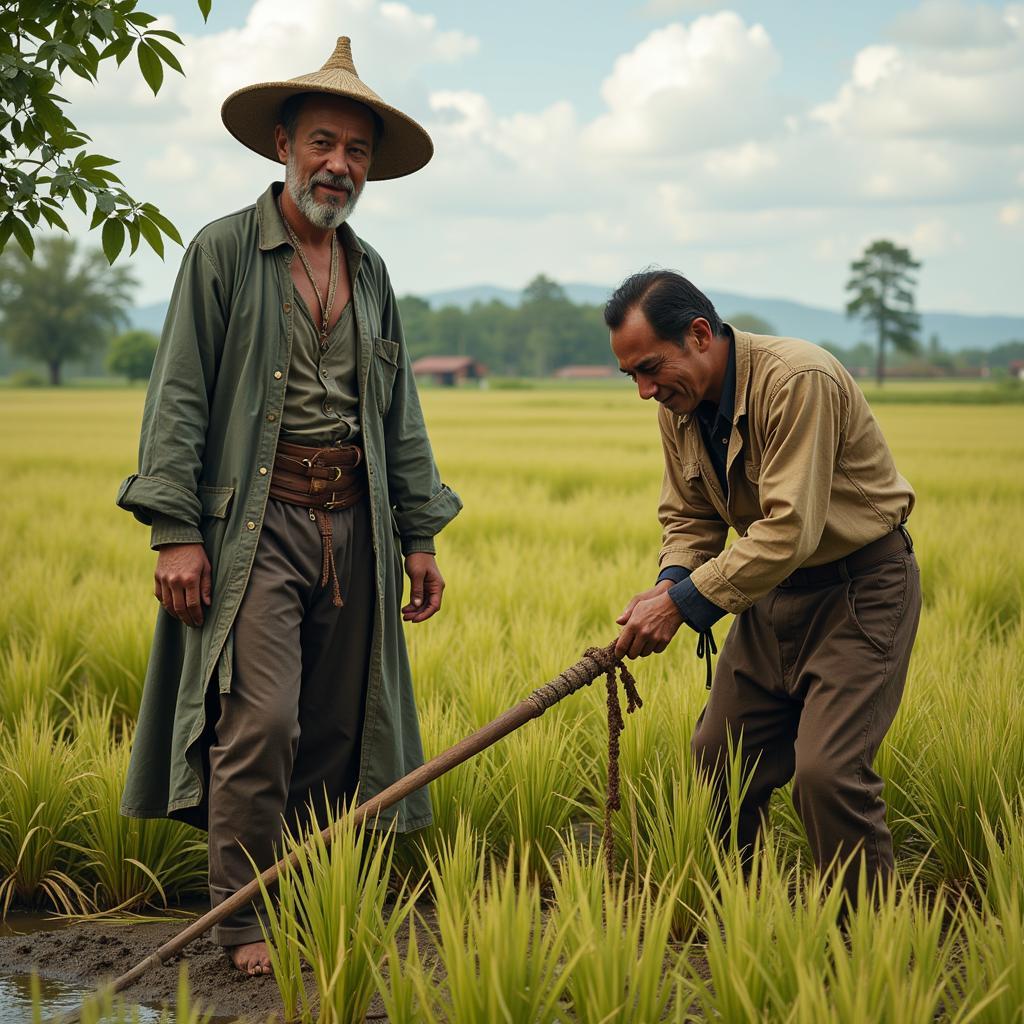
(955, 330)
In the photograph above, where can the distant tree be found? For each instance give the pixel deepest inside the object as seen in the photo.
(751, 322)
(43, 154)
(59, 308)
(882, 283)
(131, 355)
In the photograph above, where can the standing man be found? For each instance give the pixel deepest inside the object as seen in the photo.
(772, 437)
(283, 464)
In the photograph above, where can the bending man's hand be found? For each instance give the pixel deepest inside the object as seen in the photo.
(649, 622)
(183, 581)
(426, 584)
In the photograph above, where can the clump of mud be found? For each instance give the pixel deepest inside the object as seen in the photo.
(91, 952)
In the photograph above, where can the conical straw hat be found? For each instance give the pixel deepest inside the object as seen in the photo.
(251, 114)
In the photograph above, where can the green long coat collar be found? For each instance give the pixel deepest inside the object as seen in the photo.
(210, 425)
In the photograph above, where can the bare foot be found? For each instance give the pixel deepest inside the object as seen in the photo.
(251, 958)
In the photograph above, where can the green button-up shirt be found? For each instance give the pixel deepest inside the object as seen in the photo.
(210, 427)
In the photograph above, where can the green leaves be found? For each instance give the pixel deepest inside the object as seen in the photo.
(113, 239)
(41, 149)
(149, 64)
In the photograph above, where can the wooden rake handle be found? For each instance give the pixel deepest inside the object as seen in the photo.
(595, 662)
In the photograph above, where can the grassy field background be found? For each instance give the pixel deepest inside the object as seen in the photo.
(559, 530)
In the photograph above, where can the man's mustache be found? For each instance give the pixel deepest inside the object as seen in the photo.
(334, 180)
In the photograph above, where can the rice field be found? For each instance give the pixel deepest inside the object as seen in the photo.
(508, 914)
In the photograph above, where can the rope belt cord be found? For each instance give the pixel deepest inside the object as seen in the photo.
(597, 661)
(328, 571)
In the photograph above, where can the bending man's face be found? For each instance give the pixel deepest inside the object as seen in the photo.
(676, 375)
(327, 161)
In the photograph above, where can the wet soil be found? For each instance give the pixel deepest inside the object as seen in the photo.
(91, 952)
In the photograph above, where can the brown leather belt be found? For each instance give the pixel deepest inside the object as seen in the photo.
(320, 480)
(854, 563)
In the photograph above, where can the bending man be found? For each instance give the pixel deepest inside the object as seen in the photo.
(772, 437)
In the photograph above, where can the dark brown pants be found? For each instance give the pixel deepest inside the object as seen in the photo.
(289, 729)
(813, 676)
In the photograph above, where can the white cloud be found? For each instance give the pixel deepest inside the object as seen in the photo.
(970, 95)
(688, 88)
(1012, 215)
(670, 8)
(952, 24)
(694, 157)
(934, 237)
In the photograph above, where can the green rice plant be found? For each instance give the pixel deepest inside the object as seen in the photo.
(40, 811)
(330, 911)
(543, 768)
(759, 924)
(455, 862)
(33, 676)
(117, 654)
(963, 775)
(128, 862)
(992, 982)
(474, 790)
(666, 831)
(407, 985)
(893, 961)
(624, 968)
(500, 961)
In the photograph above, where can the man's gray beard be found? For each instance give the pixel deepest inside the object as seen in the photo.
(324, 215)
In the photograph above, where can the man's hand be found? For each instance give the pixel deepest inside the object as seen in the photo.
(426, 584)
(650, 620)
(184, 581)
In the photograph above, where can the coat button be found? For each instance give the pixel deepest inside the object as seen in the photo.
(263, 470)
(271, 416)
(278, 375)
(250, 525)
(287, 307)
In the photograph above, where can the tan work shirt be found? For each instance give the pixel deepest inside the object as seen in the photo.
(810, 476)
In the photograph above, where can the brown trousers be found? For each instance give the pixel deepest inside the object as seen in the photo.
(813, 676)
(289, 729)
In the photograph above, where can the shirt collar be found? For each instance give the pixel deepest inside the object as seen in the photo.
(272, 232)
(727, 402)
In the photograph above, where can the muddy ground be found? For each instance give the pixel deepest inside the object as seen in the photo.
(91, 952)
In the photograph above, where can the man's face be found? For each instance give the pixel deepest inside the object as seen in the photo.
(678, 376)
(329, 158)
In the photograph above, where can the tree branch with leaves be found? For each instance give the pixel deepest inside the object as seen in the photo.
(45, 159)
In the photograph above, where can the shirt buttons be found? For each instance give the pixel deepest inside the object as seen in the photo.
(324, 374)
(263, 470)
(287, 307)
(328, 407)
(278, 375)
(271, 416)
(250, 525)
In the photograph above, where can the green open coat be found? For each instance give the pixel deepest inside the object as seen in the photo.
(210, 423)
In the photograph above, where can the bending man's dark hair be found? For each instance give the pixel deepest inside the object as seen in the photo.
(292, 107)
(668, 301)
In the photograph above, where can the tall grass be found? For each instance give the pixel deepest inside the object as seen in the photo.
(329, 910)
(559, 530)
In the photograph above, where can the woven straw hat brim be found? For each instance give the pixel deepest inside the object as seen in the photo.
(252, 113)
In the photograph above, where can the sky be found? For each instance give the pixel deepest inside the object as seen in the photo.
(755, 146)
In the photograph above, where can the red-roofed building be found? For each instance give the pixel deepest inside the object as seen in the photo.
(584, 372)
(448, 371)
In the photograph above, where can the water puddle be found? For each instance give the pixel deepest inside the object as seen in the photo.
(56, 997)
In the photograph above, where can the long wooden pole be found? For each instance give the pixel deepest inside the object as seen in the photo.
(597, 661)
